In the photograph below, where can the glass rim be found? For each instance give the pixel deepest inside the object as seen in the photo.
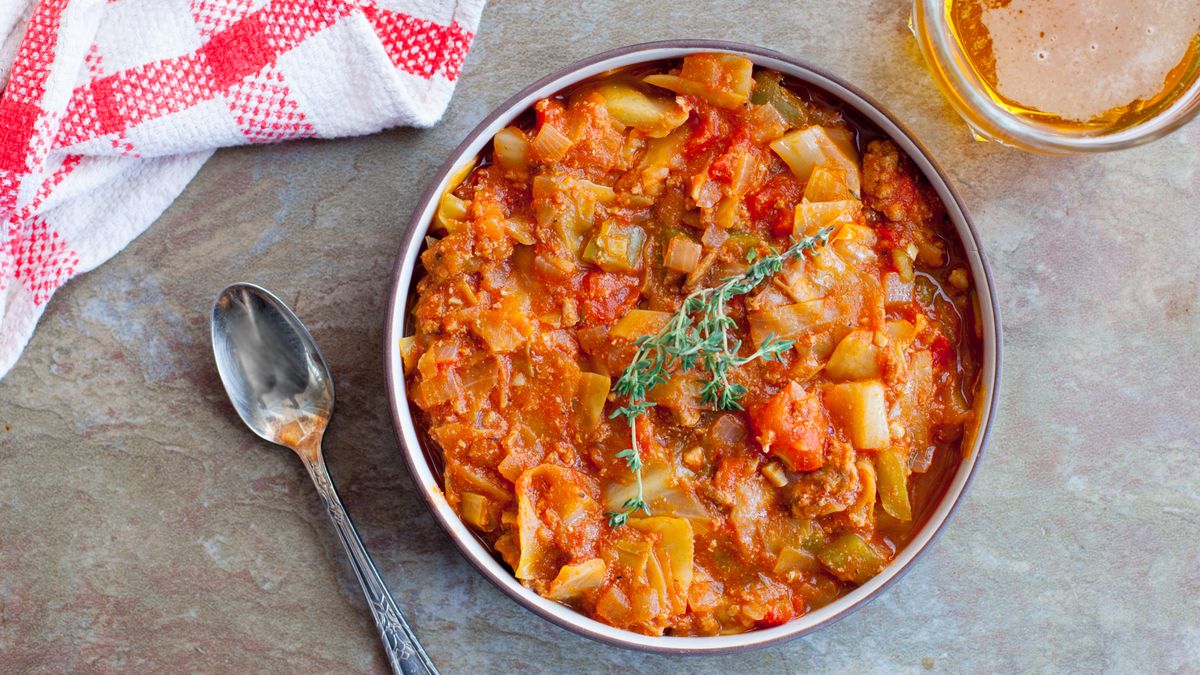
(947, 61)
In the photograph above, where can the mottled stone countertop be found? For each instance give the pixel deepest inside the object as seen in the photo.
(143, 529)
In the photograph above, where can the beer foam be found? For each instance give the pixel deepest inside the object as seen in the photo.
(1078, 59)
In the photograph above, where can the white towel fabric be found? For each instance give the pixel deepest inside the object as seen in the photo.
(110, 107)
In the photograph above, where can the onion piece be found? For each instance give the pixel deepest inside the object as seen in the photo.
(697, 275)
(613, 606)
(682, 254)
(714, 237)
(896, 291)
(727, 431)
(903, 262)
(550, 144)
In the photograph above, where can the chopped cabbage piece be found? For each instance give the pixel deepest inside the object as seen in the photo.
(723, 80)
(851, 558)
(791, 321)
(862, 411)
(892, 465)
(855, 358)
(639, 322)
(812, 216)
(593, 393)
(408, 352)
(450, 208)
(503, 332)
(653, 115)
(458, 175)
(662, 155)
(477, 511)
(615, 248)
(806, 149)
(555, 513)
(573, 580)
(826, 185)
(676, 541)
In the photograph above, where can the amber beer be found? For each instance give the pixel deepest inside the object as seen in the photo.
(1065, 75)
(1089, 63)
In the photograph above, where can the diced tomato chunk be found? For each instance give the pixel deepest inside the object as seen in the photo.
(550, 111)
(722, 167)
(775, 203)
(607, 296)
(942, 352)
(889, 235)
(721, 170)
(776, 616)
(708, 126)
(645, 435)
(793, 426)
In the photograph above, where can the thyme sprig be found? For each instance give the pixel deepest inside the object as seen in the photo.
(698, 335)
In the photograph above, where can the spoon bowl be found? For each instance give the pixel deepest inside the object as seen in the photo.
(272, 370)
(280, 386)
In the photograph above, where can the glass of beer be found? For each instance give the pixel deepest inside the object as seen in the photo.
(1063, 76)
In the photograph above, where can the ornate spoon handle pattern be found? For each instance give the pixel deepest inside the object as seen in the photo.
(404, 653)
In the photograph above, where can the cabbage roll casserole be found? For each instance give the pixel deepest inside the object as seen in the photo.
(699, 348)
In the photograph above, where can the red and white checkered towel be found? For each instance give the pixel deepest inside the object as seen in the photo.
(109, 108)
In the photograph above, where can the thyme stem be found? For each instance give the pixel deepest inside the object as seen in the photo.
(698, 334)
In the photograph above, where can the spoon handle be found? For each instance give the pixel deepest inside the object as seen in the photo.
(404, 653)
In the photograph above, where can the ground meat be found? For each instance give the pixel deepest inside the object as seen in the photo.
(607, 297)
(893, 187)
(830, 489)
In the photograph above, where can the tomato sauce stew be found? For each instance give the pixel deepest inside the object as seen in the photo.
(827, 399)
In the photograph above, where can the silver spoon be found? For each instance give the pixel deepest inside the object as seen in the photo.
(279, 385)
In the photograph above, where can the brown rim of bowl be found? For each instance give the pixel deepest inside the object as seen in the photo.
(568, 618)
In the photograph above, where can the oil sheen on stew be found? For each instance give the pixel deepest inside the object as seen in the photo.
(580, 231)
